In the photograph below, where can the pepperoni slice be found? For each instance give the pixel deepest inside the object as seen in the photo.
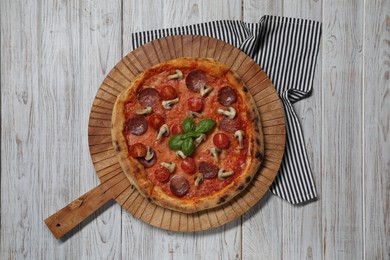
(137, 125)
(208, 170)
(148, 97)
(226, 96)
(195, 80)
(150, 163)
(179, 185)
(230, 125)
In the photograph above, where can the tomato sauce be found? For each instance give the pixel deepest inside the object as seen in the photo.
(232, 158)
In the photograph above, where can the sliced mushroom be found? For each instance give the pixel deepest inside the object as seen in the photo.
(215, 153)
(200, 139)
(180, 154)
(171, 166)
(198, 179)
(194, 114)
(204, 91)
(222, 174)
(168, 104)
(163, 131)
(177, 75)
(145, 111)
(230, 113)
(149, 153)
(239, 134)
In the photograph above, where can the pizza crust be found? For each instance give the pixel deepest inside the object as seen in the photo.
(136, 173)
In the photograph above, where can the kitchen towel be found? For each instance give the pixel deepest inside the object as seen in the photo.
(286, 49)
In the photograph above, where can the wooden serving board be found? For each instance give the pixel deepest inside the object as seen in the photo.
(114, 183)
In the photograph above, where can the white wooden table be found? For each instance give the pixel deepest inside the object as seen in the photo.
(54, 55)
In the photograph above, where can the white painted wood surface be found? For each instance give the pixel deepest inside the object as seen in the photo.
(54, 54)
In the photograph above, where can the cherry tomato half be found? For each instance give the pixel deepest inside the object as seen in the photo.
(195, 104)
(162, 174)
(137, 150)
(168, 92)
(221, 141)
(188, 165)
(156, 121)
(177, 129)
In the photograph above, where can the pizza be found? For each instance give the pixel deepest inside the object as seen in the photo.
(187, 134)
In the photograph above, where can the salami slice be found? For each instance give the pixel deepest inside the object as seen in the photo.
(179, 185)
(195, 80)
(208, 170)
(150, 163)
(137, 125)
(226, 96)
(230, 125)
(148, 97)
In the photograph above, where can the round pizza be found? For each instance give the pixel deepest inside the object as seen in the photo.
(188, 134)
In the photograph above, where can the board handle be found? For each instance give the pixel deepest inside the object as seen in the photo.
(71, 215)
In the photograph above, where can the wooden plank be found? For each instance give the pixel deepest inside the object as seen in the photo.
(304, 222)
(223, 242)
(100, 38)
(262, 227)
(342, 164)
(376, 157)
(22, 200)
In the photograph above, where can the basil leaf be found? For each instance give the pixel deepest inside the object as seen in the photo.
(204, 125)
(191, 134)
(188, 124)
(188, 146)
(176, 142)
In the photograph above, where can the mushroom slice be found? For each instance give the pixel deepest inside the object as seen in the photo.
(230, 113)
(177, 75)
(180, 154)
(194, 114)
(163, 131)
(171, 166)
(239, 134)
(168, 104)
(204, 91)
(198, 178)
(145, 111)
(215, 153)
(222, 174)
(200, 139)
(149, 153)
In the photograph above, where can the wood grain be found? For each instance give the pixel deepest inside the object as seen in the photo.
(376, 114)
(342, 164)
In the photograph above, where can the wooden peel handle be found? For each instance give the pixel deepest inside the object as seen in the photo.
(71, 215)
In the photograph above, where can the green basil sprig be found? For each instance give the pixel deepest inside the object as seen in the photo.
(185, 141)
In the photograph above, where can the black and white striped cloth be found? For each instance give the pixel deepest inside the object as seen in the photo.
(286, 49)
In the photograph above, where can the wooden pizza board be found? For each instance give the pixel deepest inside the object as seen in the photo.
(114, 184)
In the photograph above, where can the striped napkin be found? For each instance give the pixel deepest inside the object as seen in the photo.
(286, 49)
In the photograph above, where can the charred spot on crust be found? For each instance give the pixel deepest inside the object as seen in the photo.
(117, 146)
(150, 199)
(259, 156)
(241, 187)
(257, 141)
(248, 179)
(132, 187)
(222, 199)
(245, 89)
